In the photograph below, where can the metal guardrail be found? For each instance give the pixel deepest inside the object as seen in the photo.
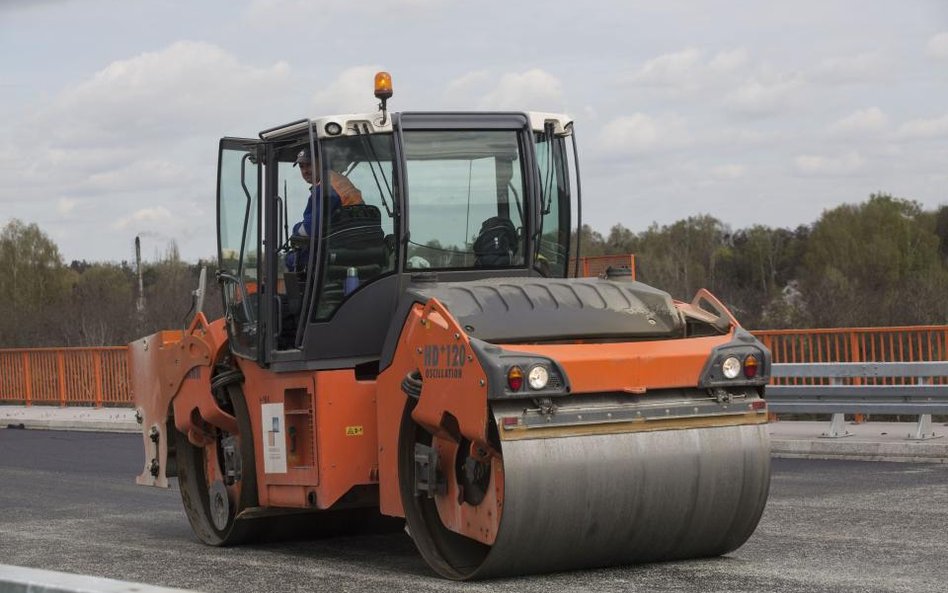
(65, 376)
(923, 398)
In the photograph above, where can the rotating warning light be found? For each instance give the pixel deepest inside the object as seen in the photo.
(383, 85)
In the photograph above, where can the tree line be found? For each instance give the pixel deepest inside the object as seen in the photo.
(882, 262)
(47, 303)
(877, 263)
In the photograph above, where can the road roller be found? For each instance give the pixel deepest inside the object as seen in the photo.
(406, 340)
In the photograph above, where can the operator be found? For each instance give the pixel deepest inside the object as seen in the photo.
(342, 193)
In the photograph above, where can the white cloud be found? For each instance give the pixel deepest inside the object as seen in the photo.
(533, 90)
(863, 121)
(925, 128)
(678, 69)
(155, 216)
(640, 133)
(65, 206)
(815, 165)
(151, 173)
(467, 84)
(186, 88)
(729, 61)
(308, 14)
(688, 70)
(938, 46)
(766, 95)
(728, 172)
(865, 67)
(350, 92)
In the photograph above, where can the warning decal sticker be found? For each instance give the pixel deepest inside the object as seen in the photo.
(274, 439)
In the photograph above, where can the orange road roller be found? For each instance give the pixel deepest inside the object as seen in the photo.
(405, 336)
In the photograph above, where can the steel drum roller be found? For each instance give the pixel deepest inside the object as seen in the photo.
(605, 499)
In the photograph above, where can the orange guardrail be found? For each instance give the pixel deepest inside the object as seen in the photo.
(596, 265)
(916, 343)
(65, 376)
(99, 376)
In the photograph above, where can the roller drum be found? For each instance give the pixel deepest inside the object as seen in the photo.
(603, 500)
(611, 499)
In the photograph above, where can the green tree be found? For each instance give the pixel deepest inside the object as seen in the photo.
(682, 257)
(875, 263)
(32, 280)
(102, 307)
(592, 242)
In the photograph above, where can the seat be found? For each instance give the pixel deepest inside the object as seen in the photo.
(496, 243)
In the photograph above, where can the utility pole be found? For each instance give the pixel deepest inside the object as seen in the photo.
(140, 305)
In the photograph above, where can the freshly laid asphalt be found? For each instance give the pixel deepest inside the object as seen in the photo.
(838, 526)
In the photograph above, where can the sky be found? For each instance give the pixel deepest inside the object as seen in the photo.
(754, 112)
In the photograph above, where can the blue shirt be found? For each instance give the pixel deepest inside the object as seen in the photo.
(307, 226)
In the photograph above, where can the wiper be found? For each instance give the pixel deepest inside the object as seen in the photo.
(370, 150)
(548, 185)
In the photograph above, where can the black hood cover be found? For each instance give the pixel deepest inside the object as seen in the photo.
(549, 309)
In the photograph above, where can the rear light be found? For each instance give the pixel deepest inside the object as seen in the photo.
(731, 367)
(751, 366)
(759, 405)
(515, 378)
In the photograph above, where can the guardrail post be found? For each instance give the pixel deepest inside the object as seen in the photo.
(61, 365)
(838, 423)
(97, 362)
(923, 430)
(28, 378)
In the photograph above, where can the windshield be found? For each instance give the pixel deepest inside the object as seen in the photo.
(466, 199)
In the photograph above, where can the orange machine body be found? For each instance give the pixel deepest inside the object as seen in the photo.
(336, 439)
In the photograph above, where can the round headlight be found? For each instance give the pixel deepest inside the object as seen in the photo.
(731, 367)
(538, 377)
(333, 128)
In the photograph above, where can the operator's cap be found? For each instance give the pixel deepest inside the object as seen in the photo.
(302, 157)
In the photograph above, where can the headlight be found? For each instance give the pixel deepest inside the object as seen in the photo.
(731, 367)
(538, 378)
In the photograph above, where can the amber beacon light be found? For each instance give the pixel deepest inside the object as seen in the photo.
(383, 91)
(383, 85)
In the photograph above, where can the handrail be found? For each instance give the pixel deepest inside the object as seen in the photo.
(65, 376)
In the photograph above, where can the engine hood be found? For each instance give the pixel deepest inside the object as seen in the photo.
(550, 309)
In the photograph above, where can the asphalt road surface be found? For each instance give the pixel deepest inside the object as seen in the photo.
(68, 502)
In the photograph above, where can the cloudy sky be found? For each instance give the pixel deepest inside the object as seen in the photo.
(754, 112)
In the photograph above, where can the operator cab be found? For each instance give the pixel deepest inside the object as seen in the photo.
(445, 197)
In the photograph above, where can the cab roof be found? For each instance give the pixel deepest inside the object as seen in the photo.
(371, 123)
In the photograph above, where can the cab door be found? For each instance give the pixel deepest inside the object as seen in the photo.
(239, 182)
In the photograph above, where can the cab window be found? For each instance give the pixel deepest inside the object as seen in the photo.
(466, 199)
